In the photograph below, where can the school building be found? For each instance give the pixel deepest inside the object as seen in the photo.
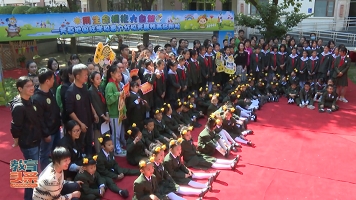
(328, 14)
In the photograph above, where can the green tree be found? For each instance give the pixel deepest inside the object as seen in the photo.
(73, 7)
(268, 19)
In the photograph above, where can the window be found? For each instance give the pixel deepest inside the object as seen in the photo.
(253, 10)
(227, 5)
(200, 5)
(324, 8)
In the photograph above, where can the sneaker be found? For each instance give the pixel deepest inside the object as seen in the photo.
(311, 107)
(321, 110)
(344, 100)
(121, 154)
(289, 101)
(329, 110)
(301, 105)
(124, 193)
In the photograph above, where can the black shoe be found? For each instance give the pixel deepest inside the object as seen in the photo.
(210, 183)
(233, 167)
(203, 193)
(249, 143)
(215, 176)
(227, 153)
(124, 193)
(237, 145)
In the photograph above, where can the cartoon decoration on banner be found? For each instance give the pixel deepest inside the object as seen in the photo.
(104, 55)
(12, 29)
(226, 64)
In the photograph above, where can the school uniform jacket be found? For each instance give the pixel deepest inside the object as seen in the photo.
(150, 137)
(149, 77)
(341, 65)
(166, 184)
(161, 127)
(292, 63)
(160, 84)
(313, 64)
(281, 60)
(256, 62)
(143, 188)
(194, 72)
(328, 100)
(210, 64)
(203, 67)
(98, 101)
(171, 123)
(212, 108)
(135, 152)
(135, 107)
(207, 142)
(325, 63)
(91, 183)
(303, 68)
(265, 59)
(173, 84)
(306, 95)
(273, 60)
(180, 118)
(176, 169)
(183, 76)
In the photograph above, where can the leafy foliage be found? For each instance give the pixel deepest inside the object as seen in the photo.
(268, 19)
(20, 9)
(36, 10)
(6, 10)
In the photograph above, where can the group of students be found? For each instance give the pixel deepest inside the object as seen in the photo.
(186, 87)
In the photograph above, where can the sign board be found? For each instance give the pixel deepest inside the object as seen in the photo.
(58, 25)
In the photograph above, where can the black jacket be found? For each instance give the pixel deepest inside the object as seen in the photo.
(48, 109)
(25, 124)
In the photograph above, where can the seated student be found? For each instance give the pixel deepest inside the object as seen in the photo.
(273, 92)
(305, 97)
(71, 141)
(108, 167)
(179, 172)
(136, 146)
(229, 87)
(170, 122)
(191, 100)
(201, 102)
(292, 92)
(243, 113)
(252, 90)
(151, 136)
(177, 114)
(146, 185)
(293, 77)
(186, 112)
(261, 89)
(167, 186)
(249, 102)
(229, 124)
(209, 140)
(225, 136)
(51, 183)
(201, 161)
(213, 105)
(320, 87)
(215, 90)
(283, 86)
(160, 125)
(328, 100)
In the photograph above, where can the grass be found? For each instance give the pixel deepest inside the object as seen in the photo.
(24, 32)
(194, 25)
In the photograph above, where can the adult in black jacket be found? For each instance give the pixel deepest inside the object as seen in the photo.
(25, 126)
(48, 109)
(71, 142)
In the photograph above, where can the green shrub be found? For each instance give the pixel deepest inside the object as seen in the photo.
(37, 10)
(20, 9)
(6, 10)
(59, 9)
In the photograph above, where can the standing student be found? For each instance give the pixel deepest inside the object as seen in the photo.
(313, 65)
(303, 69)
(79, 107)
(53, 65)
(149, 77)
(203, 65)
(25, 126)
(183, 76)
(324, 64)
(292, 62)
(159, 85)
(240, 57)
(99, 103)
(281, 60)
(194, 71)
(173, 83)
(48, 109)
(211, 67)
(341, 66)
(273, 63)
(112, 95)
(256, 64)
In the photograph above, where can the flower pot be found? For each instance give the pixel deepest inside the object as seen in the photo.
(22, 64)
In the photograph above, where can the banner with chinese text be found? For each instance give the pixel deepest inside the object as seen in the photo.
(56, 25)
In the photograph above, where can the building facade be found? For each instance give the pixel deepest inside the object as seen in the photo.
(327, 14)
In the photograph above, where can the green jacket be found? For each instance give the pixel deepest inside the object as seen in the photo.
(112, 95)
(144, 188)
(91, 183)
(207, 142)
(58, 98)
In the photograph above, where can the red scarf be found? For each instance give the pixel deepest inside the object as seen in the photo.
(283, 58)
(206, 62)
(342, 61)
(116, 83)
(176, 75)
(313, 65)
(187, 65)
(302, 67)
(101, 97)
(293, 62)
(197, 65)
(322, 60)
(275, 60)
(257, 59)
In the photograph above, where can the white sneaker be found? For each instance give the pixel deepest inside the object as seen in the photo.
(311, 107)
(344, 100)
(301, 105)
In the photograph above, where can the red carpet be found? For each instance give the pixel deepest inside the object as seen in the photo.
(299, 154)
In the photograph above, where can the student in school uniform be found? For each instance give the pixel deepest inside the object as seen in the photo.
(135, 104)
(173, 83)
(195, 71)
(292, 92)
(325, 59)
(211, 67)
(151, 136)
(146, 185)
(112, 96)
(109, 169)
(160, 125)
(195, 111)
(203, 65)
(136, 146)
(167, 186)
(292, 61)
(177, 114)
(273, 92)
(334, 55)
(306, 97)
(201, 102)
(182, 75)
(320, 88)
(256, 63)
(341, 66)
(99, 104)
(50, 119)
(303, 69)
(213, 106)
(179, 172)
(313, 65)
(273, 63)
(149, 77)
(328, 100)
(201, 161)
(159, 85)
(71, 142)
(240, 57)
(79, 106)
(170, 122)
(265, 57)
(281, 60)
(188, 114)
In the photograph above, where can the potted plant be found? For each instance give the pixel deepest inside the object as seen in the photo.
(22, 60)
(36, 58)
